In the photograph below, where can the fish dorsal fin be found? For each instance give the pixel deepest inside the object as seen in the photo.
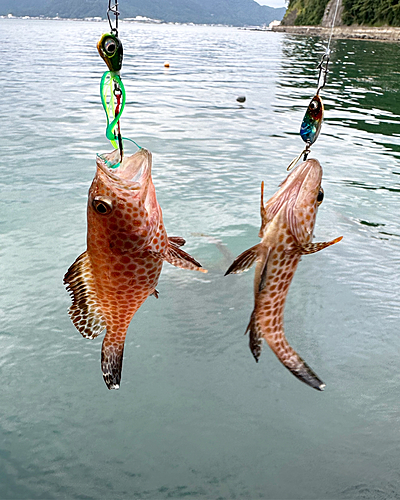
(177, 240)
(179, 258)
(245, 260)
(266, 215)
(309, 248)
(85, 313)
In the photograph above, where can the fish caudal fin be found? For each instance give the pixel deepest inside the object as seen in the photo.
(245, 260)
(284, 352)
(85, 313)
(179, 258)
(111, 363)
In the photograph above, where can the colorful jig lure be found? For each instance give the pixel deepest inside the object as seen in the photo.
(312, 120)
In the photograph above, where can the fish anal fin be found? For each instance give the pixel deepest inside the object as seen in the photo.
(85, 312)
(179, 258)
(111, 363)
(255, 337)
(177, 240)
(245, 260)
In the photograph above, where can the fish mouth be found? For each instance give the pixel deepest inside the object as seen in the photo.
(305, 178)
(133, 173)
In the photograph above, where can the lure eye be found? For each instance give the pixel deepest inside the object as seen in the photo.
(110, 46)
(102, 205)
(320, 196)
(314, 105)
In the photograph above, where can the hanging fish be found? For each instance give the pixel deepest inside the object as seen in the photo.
(126, 246)
(287, 226)
(312, 120)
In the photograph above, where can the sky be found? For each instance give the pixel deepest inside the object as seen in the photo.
(272, 3)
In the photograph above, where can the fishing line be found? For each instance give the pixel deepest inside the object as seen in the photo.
(312, 120)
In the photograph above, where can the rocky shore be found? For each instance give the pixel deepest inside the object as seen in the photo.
(387, 33)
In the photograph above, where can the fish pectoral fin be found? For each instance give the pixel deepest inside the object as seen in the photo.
(177, 240)
(85, 312)
(264, 273)
(155, 294)
(245, 260)
(309, 248)
(179, 258)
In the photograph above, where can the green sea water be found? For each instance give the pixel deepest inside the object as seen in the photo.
(195, 416)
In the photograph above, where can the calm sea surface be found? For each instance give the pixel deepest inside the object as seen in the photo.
(196, 417)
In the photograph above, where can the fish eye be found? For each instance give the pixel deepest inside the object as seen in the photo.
(110, 46)
(102, 205)
(320, 196)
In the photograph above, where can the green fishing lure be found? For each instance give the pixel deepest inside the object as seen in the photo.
(111, 51)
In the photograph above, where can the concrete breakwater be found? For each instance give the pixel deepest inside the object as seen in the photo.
(387, 33)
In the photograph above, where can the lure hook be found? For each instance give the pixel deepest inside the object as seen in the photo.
(305, 152)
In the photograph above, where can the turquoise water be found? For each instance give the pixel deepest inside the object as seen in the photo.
(196, 417)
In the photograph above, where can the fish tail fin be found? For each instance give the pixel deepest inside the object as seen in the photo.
(112, 354)
(303, 372)
(283, 351)
(293, 362)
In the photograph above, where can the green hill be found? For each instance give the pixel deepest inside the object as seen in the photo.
(372, 12)
(363, 12)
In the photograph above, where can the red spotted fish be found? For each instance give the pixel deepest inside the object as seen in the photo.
(126, 247)
(287, 224)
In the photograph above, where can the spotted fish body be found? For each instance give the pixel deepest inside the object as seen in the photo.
(312, 121)
(288, 221)
(126, 246)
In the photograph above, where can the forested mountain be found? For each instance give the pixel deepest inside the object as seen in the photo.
(235, 12)
(372, 12)
(364, 12)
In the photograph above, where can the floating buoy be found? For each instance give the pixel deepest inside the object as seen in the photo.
(241, 98)
(166, 64)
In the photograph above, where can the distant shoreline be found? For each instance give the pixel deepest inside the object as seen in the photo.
(384, 33)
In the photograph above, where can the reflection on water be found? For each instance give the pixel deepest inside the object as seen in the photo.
(196, 417)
